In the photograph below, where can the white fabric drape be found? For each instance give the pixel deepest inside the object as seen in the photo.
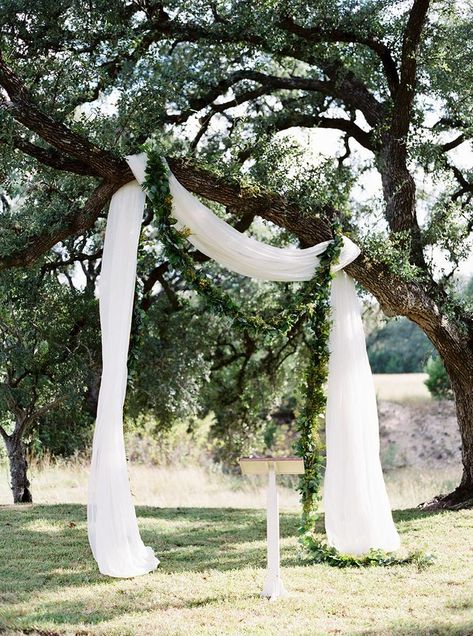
(357, 511)
(113, 530)
(234, 250)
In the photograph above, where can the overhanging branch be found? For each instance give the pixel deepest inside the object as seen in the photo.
(51, 157)
(24, 110)
(410, 46)
(320, 34)
(84, 219)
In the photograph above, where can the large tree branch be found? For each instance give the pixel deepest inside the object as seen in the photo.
(24, 425)
(352, 91)
(405, 94)
(465, 185)
(242, 201)
(320, 34)
(283, 121)
(50, 157)
(345, 85)
(79, 222)
(207, 99)
(3, 433)
(396, 295)
(450, 145)
(342, 85)
(398, 184)
(22, 107)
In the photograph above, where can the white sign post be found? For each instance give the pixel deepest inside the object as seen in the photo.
(272, 466)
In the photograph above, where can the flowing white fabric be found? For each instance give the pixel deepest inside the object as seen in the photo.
(113, 530)
(358, 515)
(357, 511)
(234, 250)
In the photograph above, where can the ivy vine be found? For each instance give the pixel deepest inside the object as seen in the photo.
(311, 302)
(309, 444)
(320, 552)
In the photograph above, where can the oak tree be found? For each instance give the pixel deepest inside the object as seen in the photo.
(219, 81)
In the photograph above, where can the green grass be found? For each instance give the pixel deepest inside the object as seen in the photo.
(211, 573)
(209, 533)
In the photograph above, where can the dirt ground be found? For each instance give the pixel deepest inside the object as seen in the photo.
(420, 435)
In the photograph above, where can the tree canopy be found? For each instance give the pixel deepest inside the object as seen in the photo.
(221, 86)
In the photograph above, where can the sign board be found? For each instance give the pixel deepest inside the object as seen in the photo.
(273, 586)
(282, 465)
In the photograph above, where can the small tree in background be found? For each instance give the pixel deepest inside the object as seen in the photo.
(399, 346)
(47, 348)
(438, 382)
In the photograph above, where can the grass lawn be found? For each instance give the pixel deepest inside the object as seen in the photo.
(211, 573)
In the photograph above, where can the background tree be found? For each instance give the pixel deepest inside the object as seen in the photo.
(437, 381)
(47, 348)
(187, 363)
(218, 81)
(399, 346)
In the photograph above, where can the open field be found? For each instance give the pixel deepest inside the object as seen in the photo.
(405, 388)
(211, 573)
(66, 482)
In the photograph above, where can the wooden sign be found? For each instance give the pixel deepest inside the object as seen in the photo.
(273, 586)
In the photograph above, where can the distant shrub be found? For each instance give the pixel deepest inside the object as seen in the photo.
(186, 442)
(399, 346)
(438, 382)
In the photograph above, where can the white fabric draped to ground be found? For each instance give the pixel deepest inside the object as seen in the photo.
(357, 511)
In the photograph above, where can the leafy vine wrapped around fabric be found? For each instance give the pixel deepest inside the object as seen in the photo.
(310, 302)
(175, 244)
(309, 444)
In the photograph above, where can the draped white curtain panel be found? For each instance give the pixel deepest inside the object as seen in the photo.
(357, 511)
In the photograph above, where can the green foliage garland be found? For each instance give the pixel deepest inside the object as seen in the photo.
(305, 301)
(312, 302)
(309, 444)
(320, 552)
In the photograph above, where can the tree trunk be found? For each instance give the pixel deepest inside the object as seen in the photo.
(461, 378)
(18, 470)
(464, 405)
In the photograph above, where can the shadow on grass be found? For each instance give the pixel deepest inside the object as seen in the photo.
(47, 546)
(411, 514)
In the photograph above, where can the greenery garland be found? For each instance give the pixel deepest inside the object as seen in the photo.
(305, 302)
(309, 444)
(312, 302)
(320, 552)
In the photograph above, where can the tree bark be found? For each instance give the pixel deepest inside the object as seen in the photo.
(462, 382)
(464, 407)
(456, 351)
(20, 484)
